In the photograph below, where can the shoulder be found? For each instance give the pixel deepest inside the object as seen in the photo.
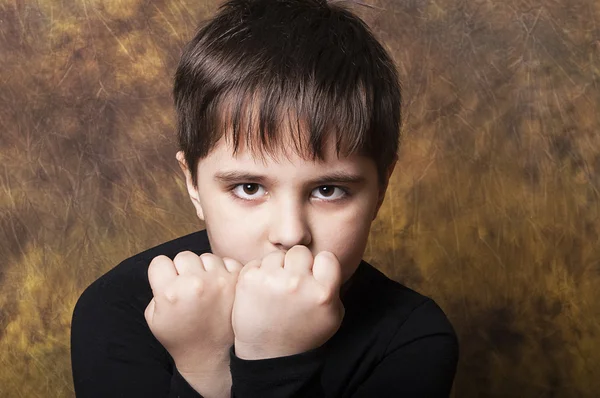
(128, 281)
(108, 328)
(373, 289)
(407, 314)
(418, 350)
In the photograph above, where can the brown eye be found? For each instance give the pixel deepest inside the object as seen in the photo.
(326, 190)
(329, 193)
(250, 189)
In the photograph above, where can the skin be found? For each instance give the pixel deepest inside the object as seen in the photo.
(285, 234)
(287, 208)
(190, 315)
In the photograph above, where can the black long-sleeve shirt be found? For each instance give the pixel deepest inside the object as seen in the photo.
(393, 342)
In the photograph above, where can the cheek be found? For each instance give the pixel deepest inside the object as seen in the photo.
(346, 236)
(231, 234)
(349, 243)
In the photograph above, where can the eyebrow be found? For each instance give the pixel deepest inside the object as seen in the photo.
(230, 177)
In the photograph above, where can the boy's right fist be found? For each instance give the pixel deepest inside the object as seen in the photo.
(190, 314)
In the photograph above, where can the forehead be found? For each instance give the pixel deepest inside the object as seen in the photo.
(285, 161)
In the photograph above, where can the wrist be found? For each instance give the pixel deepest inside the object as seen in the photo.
(256, 352)
(215, 383)
(247, 351)
(193, 363)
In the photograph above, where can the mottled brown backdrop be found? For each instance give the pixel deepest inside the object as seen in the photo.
(493, 210)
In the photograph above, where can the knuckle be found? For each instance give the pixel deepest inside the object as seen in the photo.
(276, 255)
(222, 282)
(231, 265)
(211, 261)
(325, 297)
(171, 296)
(250, 275)
(184, 255)
(196, 285)
(207, 256)
(300, 255)
(293, 284)
(158, 260)
(298, 249)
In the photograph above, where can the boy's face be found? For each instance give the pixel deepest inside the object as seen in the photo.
(253, 206)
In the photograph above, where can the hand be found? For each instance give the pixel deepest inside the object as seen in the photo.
(190, 315)
(286, 303)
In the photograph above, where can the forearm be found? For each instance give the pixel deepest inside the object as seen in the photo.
(211, 377)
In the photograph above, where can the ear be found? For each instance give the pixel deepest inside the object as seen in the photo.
(383, 188)
(193, 192)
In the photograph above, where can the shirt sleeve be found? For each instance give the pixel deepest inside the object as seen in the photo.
(291, 376)
(420, 361)
(114, 353)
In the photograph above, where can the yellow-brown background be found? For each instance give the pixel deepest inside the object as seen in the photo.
(492, 211)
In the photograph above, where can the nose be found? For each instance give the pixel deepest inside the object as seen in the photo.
(289, 226)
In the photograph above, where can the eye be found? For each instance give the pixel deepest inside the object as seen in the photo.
(248, 191)
(329, 192)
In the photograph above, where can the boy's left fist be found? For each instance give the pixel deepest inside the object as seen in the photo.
(286, 303)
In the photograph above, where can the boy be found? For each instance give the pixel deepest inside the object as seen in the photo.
(288, 121)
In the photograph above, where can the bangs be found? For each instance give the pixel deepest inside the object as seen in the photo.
(274, 118)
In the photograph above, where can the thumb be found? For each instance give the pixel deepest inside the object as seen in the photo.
(149, 312)
(254, 264)
(233, 266)
(327, 270)
(342, 310)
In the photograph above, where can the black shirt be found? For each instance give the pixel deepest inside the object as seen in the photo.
(393, 342)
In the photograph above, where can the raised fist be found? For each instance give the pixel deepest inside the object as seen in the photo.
(287, 303)
(190, 314)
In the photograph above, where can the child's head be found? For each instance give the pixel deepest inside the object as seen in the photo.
(288, 125)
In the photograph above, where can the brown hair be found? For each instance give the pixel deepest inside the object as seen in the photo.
(260, 63)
